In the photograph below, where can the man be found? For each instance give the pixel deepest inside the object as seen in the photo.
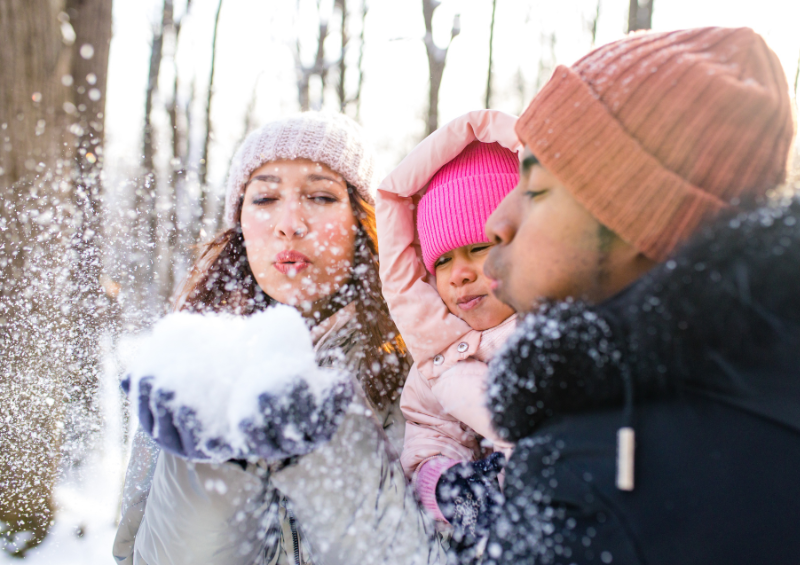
(654, 390)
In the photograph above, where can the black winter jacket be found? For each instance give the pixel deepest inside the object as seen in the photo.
(702, 358)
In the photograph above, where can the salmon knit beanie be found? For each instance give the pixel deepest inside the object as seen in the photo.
(331, 139)
(461, 196)
(656, 132)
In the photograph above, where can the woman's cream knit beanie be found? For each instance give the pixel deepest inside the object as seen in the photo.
(331, 139)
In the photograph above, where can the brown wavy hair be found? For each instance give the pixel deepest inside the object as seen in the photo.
(221, 281)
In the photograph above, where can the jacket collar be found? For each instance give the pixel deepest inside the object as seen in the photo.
(480, 345)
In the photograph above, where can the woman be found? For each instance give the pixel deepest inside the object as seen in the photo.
(302, 233)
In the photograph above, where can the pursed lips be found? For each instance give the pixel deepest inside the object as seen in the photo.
(291, 261)
(470, 302)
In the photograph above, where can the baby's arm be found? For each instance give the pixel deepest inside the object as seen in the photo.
(434, 441)
(461, 392)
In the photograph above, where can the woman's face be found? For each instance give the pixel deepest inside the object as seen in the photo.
(299, 231)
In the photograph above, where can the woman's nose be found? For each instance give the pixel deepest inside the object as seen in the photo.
(291, 223)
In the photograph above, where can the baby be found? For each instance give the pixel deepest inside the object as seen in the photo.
(449, 445)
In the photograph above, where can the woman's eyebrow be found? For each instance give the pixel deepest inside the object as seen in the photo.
(316, 176)
(265, 178)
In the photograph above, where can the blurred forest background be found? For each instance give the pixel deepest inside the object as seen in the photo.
(117, 126)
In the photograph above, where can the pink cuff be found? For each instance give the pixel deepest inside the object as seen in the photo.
(428, 475)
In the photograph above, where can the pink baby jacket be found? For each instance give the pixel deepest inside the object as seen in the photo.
(443, 400)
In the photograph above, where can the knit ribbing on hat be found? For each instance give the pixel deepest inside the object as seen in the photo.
(331, 139)
(655, 133)
(461, 196)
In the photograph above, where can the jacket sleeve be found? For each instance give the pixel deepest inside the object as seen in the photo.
(422, 318)
(138, 478)
(206, 513)
(554, 500)
(353, 502)
(461, 391)
(430, 430)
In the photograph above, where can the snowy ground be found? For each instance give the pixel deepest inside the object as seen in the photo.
(85, 523)
(88, 496)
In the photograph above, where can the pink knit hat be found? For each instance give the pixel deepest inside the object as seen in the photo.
(461, 196)
(657, 132)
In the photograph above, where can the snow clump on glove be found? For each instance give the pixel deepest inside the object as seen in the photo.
(219, 387)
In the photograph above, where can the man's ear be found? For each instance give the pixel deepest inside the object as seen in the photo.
(628, 264)
(640, 263)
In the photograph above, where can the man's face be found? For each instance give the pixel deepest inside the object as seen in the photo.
(549, 247)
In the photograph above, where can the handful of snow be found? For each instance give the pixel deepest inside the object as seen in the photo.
(224, 387)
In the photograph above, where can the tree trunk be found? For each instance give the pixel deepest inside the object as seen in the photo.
(144, 258)
(437, 58)
(319, 67)
(209, 98)
(341, 90)
(488, 101)
(46, 207)
(360, 84)
(640, 15)
(206, 214)
(172, 254)
(91, 21)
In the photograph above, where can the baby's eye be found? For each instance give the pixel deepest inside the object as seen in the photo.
(440, 261)
(534, 193)
(479, 248)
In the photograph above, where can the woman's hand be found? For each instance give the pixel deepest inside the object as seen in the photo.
(287, 424)
(209, 387)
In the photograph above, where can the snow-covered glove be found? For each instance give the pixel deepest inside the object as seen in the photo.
(175, 431)
(469, 498)
(220, 387)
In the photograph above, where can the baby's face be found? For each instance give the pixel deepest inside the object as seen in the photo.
(465, 289)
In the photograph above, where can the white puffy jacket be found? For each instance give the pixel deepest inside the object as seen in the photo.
(346, 502)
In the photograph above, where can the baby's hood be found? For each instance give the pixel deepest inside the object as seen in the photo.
(427, 326)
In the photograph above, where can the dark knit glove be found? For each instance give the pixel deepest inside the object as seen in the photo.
(173, 430)
(469, 498)
(291, 423)
(296, 422)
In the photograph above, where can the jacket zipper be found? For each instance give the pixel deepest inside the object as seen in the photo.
(295, 541)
